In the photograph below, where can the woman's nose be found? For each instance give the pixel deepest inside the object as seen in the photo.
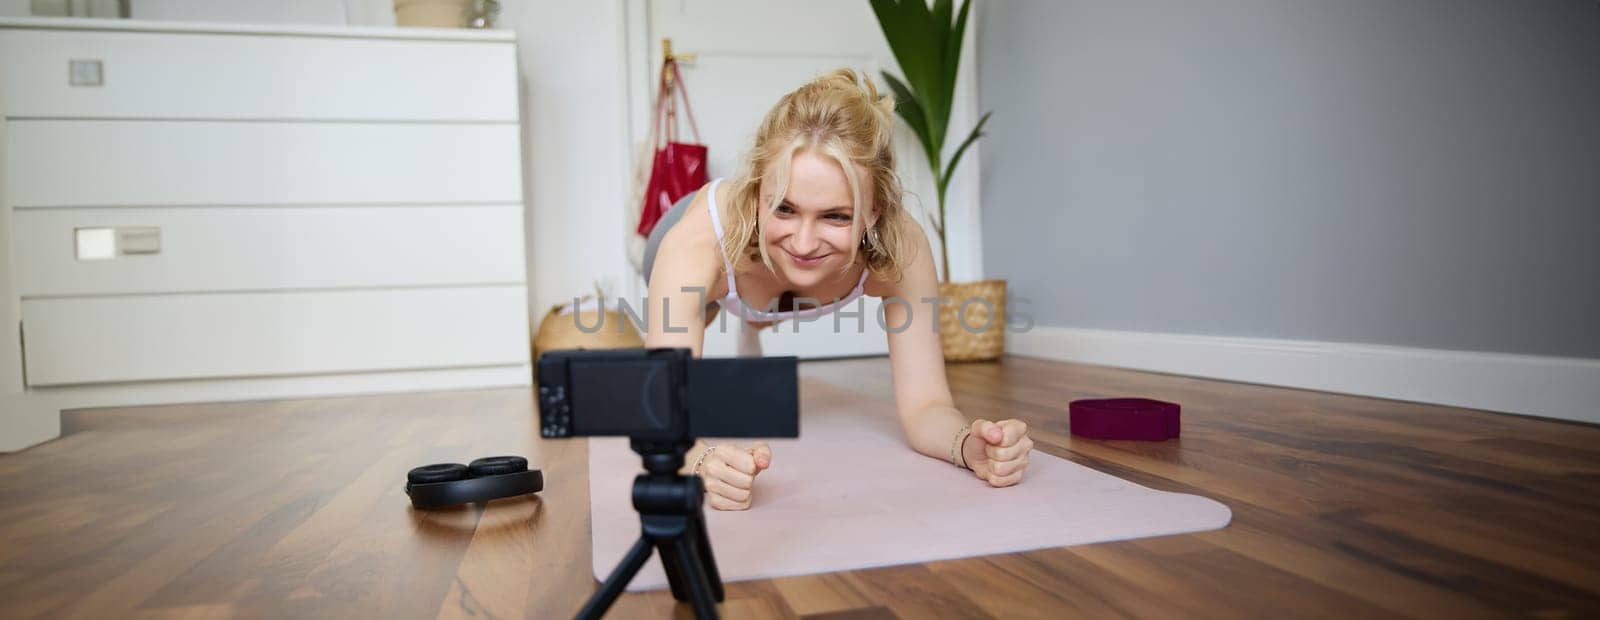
(805, 240)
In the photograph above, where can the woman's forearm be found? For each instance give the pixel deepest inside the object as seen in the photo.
(933, 431)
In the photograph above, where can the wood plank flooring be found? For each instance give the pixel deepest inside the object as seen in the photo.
(1343, 507)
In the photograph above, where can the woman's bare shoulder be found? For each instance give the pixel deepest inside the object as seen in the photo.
(693, 229)
(690, 246)
(922, 251)
(910, 228)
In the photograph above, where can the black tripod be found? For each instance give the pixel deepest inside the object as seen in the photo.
(669, 507)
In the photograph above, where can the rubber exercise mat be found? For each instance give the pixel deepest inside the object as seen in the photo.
(850, 494)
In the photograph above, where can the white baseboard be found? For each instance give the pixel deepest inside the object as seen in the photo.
(34, 416)
(1552, 387)
(26, 420)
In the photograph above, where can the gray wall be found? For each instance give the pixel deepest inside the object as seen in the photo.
(1403, 172)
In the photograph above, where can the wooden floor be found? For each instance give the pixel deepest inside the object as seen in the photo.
(1343, 507)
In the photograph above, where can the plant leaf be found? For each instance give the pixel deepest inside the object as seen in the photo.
(916, 42)
(905, 28)
(941, 17)
(950, 56)
(905, 101)
(939, 27)
(909, 109)
(935, 87)
(895, 30)
(977, 132)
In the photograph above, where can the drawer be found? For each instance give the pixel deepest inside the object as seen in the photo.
(156, 75)
(144, 163)
(266, 248)
(164, 337)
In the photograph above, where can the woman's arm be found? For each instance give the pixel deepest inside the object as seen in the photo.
(685, 270)
(687, 265)
(996, 452)
(928, 415)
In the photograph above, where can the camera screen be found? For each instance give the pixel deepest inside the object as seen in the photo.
(623, 397)
(745, 397)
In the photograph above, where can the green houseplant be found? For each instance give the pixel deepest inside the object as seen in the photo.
(927, 45)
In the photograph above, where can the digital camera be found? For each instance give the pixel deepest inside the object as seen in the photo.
(665, 394)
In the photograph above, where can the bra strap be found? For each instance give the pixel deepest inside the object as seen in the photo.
(716, 225)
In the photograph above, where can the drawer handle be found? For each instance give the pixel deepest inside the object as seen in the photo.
(109, 243)
(85, 72)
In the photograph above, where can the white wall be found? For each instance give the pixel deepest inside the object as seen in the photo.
(574, 124)
(1395, 199)
(1412, 174)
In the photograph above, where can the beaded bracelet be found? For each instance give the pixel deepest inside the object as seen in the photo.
(701, 459)
(955, 447)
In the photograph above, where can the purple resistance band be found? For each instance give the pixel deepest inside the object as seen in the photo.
(1139, 419)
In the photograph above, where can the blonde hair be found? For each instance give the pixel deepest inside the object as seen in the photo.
(839, 115)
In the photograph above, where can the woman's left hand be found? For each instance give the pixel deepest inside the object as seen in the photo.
(997, 452)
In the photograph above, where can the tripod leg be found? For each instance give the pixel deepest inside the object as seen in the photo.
(673, 565)
(702, 542)
(619, 578)
(694, 572)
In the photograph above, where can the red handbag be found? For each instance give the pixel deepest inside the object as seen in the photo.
(679, 167)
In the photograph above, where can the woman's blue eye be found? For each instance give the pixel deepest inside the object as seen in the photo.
(785, 209)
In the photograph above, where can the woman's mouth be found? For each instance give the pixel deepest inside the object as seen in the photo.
(806, 262)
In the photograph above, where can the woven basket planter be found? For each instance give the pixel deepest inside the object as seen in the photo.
(972, 325)
(559, 329)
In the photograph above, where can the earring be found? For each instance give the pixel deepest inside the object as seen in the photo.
(871, 240)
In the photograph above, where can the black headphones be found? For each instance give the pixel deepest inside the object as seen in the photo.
(491, 477)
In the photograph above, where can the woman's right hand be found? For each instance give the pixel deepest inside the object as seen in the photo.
(730, 473)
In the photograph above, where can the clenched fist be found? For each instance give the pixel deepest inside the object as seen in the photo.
(997, 452)
(730, 474)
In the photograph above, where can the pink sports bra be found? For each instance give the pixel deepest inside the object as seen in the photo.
(736, 306)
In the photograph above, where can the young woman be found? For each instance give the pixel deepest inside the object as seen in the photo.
(815, 214)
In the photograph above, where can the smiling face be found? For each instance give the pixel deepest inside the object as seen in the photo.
(810, 234)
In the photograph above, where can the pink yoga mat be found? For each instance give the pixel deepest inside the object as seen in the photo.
(851, 494)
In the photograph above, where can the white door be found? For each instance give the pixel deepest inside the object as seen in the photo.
(747, 55)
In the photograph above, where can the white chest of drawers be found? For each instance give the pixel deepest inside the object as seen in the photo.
(339, 211)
